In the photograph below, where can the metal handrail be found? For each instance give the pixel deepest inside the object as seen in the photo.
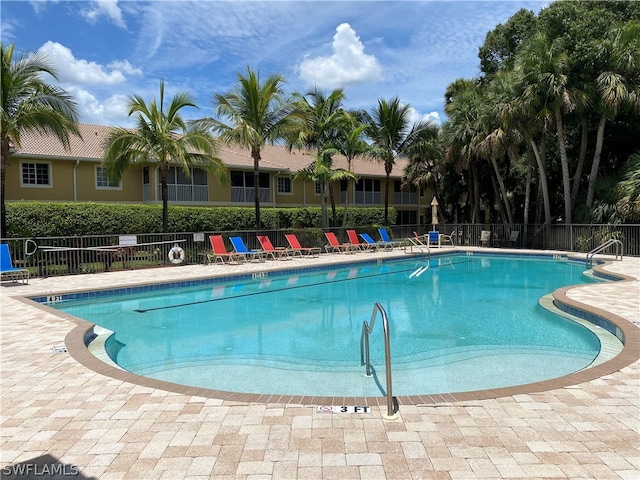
(364, 350)
(612, 241)
(414, 242)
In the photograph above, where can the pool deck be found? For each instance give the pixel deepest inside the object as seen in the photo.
(58, 412)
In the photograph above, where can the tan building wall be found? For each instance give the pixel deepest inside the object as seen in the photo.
(68, 181)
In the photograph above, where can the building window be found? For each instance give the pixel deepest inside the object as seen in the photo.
(103, 180)
(284, 185)
(245, 179)
(318, 188)
(243, 183)
(369, 185)
(36, 174)
(368, 191)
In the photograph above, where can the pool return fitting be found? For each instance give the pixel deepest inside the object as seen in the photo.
(364, 354)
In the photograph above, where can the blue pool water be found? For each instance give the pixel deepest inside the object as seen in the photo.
(467, 322)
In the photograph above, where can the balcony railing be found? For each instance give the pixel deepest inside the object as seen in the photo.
(246, 194)
(368, 198)
(179, 193)
(405, 198)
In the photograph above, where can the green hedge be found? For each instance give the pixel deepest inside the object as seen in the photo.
(48, 219)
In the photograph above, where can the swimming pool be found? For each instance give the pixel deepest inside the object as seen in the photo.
(458, 323)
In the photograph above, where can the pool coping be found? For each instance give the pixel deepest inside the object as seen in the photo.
(79, 337)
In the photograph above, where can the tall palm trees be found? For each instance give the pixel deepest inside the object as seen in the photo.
(460, 134)
(257, 112)
(351, 144)
(545, 66)
(330, 129)
(423, 169)
(161, 137)
(30, 104)
(393, 134)
(616, 87)
(321, 171)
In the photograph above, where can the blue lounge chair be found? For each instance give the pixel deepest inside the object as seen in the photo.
(373, 244)
(240, 247)
(386, 239)
(8, 270)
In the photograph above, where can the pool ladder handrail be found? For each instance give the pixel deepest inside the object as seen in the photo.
(367, 328)
(612, 241)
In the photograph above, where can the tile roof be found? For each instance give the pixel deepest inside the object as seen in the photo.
(274, 157)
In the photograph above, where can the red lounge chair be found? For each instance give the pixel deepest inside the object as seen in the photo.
(353, 239)
(277, 253)
(220, 252)
(297, 249)
(336, 246)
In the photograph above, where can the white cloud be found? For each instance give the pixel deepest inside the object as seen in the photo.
(90, 109)
(126, 67)
(74, 71)
(116, 111)
(348, 65)
(93, 110)
(433, 117)
(108, 8)
(416, 116)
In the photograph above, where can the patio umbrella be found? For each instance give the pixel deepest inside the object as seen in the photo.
(434, 212)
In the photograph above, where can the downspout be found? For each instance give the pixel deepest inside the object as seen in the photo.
(274, 189)
(75, 181)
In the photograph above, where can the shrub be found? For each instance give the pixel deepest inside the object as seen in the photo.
(49, 219)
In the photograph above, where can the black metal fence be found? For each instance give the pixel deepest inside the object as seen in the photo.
(75, 255)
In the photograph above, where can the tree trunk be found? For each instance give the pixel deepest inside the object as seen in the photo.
(527, 189)
(583, 153)
(164, 193)
(386, 195)
(541, 160)
(593, 176)
(564, 161)
(346, 200)
(255, 153)
(3, 175)
(504, 200)
(323, 205)
(498, 201)
(475, 217)
(332, 199)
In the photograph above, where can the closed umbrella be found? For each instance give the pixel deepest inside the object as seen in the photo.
(434, 212)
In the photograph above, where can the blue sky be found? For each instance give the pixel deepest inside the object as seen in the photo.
(108, 49)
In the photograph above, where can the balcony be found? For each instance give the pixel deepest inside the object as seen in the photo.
(180, 193)
(246, 195)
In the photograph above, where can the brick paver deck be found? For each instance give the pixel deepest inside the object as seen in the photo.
(65, 415)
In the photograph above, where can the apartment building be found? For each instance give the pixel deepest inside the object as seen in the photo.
(43, 170)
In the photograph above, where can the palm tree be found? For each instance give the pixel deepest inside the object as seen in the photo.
(545, 66)
(29, 104)
(530, 119)
(161, 138)
(423, 169)
(392, 135)
(627, 191)
(616, 87)
(460, 133)
(257, 113)
(321, 171)
(351, 144)
(323, 120)
(500, 140)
